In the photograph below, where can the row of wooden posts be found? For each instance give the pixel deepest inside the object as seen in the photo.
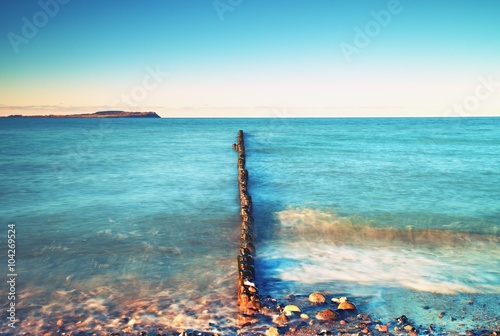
(248, 294)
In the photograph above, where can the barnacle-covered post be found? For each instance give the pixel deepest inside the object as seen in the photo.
(248, 294)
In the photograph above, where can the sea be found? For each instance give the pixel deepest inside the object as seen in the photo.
(124, 225)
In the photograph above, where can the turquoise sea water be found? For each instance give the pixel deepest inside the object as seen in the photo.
(127, 224)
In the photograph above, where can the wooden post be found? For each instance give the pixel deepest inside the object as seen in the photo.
(248, 294)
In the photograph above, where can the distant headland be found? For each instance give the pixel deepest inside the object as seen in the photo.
(100, 114)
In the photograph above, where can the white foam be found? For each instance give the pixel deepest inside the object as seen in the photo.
(439, 272)
(319, 249)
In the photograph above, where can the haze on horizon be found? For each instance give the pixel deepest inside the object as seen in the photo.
(241, 58)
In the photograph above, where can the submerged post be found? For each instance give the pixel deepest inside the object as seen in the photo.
(248, 294)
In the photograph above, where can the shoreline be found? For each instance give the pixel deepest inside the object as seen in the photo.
(278, 316)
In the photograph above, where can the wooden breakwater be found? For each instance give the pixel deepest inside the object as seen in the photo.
(248, 294)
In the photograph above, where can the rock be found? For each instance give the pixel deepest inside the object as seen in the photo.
(361, 325)
(273, 331)
(409, 328)
(431, 328)
(60, 322)
(281, 319)
(325, 332)
(327, 315)
(346, 306)
(402, 319)
(364, 317)
(291, 309)
(339, 300)
(244, 319)
(317, 298)
(382, 328)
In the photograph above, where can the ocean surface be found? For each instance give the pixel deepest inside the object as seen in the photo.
(130, 224)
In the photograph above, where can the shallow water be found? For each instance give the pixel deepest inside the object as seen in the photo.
(129, 223)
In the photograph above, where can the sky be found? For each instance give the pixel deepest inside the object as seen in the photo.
(251, 58)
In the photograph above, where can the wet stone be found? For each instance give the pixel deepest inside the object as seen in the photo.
(382, 328)
(361, 325)
(325, 333)
(317, 298)
(281, 319)
(402, 319)
(327, 315)
(273, 331)
(346, 306)
(291, 309)
(244, 319)
(409, 327)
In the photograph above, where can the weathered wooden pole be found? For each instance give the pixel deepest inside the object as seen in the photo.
(248, 294)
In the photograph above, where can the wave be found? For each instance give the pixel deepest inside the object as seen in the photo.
(328, 225)
(315, 247)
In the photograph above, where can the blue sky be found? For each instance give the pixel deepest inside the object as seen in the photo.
(251, 58)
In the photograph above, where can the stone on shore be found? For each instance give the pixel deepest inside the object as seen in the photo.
(327, 315)
(273, 331)
(346, 305)
(244, 319)
(317, 298)
(281, 320)
(382, 328)
(291, 309)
